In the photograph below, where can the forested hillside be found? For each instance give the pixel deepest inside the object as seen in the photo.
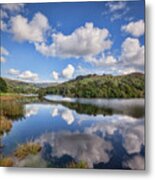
(104, 86)
(15, 86)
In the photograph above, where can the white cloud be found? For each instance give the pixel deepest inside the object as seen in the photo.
(55, 75)
(128, 70)
(13, 7)
(68, 71)
(134, 28)
(116, 10)
(115, 6)
(132, 52)
(6, 10)
(2, 59)
(32, 31)
(4, 51)
(25, 75)
(119, 15)
(102, 61)
(28, 75)
(84, 41)
(67, 115)
(13, 71)
(3, 25)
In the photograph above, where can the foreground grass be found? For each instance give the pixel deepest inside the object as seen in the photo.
(78, 165)
(12, 105)
(6, 162)
(11, 109)
(5, 125)
(17, 97)
(24, 150)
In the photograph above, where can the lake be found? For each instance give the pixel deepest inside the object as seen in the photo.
(105, 134)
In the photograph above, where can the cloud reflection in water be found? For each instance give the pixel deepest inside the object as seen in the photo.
(82, 147)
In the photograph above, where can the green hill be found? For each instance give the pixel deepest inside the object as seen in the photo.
(101, 86)
(16, 86)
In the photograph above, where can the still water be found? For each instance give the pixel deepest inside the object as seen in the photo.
(106, 134)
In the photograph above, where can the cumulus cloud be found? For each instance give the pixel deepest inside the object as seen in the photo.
(3, 52)
(32, 31)
(2, 59)
(6, 11)
(101, 61)
(132, 52)
(128, 70)
(134, 28)
(25, 75)
(84, 41)
(28, 75)
(68, 71)
(55, 75)
(13, 71)
(13, 7)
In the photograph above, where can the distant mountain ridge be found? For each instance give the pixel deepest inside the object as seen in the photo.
(18, 86)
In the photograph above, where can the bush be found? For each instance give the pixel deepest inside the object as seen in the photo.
(3, 85)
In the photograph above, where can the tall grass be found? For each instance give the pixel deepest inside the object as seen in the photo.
(78, 165)
(6, 162)
(11, 109)
(12, 105)
(5, 125)
(24, 150)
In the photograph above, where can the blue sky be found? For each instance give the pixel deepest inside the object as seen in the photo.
(55, 42)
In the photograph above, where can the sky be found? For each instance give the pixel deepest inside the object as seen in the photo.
(56, 42)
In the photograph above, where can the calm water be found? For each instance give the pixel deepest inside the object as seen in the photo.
(103, 133)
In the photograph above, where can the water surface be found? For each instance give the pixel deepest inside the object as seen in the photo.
(103, 133)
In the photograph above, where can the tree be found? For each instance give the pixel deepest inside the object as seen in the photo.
(41, 93)
(3, 85)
